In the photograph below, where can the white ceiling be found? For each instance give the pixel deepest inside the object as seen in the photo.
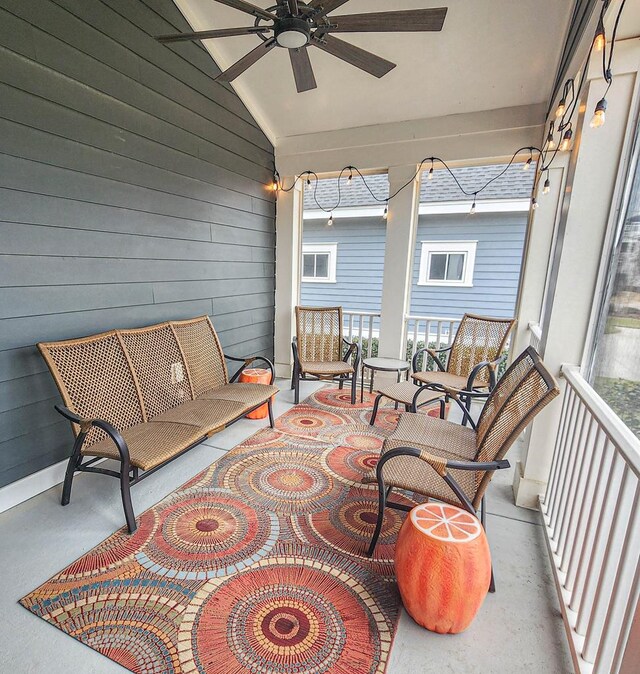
(491, 54)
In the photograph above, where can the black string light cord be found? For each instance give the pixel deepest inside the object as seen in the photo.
(563, 124)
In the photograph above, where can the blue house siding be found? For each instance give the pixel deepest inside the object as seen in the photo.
(500, 238)
(360, 263)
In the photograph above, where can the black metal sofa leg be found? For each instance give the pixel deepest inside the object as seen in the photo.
(125, 490)
(270, 407)
(74, 460)
(382, 503)
(354, 388)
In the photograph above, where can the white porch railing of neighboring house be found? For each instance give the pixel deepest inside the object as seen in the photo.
(535, 336)
(432, 331)
(361, 325)
(591, 514)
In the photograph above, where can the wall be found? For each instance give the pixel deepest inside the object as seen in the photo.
(132, 190)
(360, 264)
(500, 238)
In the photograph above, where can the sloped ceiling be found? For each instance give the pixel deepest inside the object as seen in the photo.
(491, 54)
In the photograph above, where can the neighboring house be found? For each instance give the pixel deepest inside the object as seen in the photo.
(462, 262)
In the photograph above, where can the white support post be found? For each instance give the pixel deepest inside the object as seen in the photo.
(398, 260)
(588, 210)
(288, 252)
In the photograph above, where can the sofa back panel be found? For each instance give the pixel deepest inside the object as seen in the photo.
(95, 381)
(159, 367)
(203, 353)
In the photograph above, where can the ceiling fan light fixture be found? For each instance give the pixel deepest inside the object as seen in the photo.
(292, 33)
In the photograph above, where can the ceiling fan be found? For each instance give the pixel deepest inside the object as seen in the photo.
(296, 25)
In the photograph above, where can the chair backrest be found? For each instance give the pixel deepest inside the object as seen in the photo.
(520, 394)
(319, 333)
(130, 376)
(478, 338)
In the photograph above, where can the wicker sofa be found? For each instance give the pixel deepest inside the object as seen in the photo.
(145, 396)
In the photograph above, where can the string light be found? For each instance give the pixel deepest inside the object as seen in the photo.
(566, 140)
(547, 185)
(534, 204)
(473, 206)
(551, 143)
(350, 178)
(600, 40)
(528, 163)
(430, 176)
(562, 108)
(385, 215)
(330, 221)
(598, 118)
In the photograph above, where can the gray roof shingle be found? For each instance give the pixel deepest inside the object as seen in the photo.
(514, 184)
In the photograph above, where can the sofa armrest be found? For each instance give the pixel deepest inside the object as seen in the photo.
(250, 360)
(87, 424)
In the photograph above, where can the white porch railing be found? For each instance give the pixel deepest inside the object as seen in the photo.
(535, 336)
(591, 514)
(430, 330)
(359, 325)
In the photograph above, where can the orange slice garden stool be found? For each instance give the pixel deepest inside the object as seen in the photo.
(256, 375)
(443, 566)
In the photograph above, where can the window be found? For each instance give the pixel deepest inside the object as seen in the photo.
(447, 263)
(616, 367)
(319, 262)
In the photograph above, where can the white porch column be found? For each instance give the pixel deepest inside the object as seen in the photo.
(398, 260)
(288, 252)
(588, 210)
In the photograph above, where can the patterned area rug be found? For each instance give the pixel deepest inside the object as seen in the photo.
(255, 565)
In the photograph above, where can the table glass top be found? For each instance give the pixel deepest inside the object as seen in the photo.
(386, 363)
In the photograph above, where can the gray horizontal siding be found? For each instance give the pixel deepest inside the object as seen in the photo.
(133, 191)
(500, 238)
(360, 264)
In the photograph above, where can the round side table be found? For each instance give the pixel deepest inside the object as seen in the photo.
(382, 365)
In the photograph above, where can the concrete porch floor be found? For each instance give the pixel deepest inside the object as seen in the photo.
(518, 629)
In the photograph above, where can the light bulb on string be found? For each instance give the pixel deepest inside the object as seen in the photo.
(566, 140)
(473, 206)
(330, 221)
(551, 143)
(528, 163)
(562, 108)
(430, 176)
(598, 118)
(534, 204)
(547, 185)
(385, 215)
(350, 178)
(600, 40)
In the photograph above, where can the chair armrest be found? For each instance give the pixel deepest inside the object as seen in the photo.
(433, 353)
(109, 429)
(353, 347)
(491, 365)
(249, 360)
(442, 467)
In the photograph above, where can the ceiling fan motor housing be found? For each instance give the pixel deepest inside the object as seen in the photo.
(292, 32)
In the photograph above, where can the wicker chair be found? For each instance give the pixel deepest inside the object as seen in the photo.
(473, 358)
(453, 463)
(317, 349)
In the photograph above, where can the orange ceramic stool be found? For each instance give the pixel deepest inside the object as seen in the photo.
(443, 566)
(257, 376)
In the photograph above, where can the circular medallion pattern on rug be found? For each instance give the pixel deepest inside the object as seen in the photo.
(290, 481)
(349, 465)
(208, 534)
(290, 617)
(349, 527)
(331, 398)
(309, 421)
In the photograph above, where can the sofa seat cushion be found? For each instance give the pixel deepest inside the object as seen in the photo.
(209, 416)
(248, 394)
(333, 368)
(150, 444)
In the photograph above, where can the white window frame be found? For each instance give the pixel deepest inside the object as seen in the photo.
(320, 248)
(468, 248)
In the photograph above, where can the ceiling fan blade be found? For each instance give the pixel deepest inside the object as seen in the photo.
(248, 8)
(206, 34)
(293, 6)
(246, 61)
(326, 6)
(302, 70)
(411, 20)
(357, 57)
